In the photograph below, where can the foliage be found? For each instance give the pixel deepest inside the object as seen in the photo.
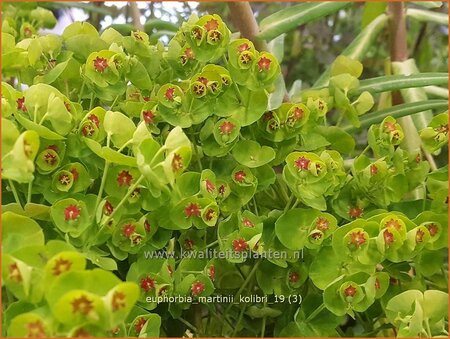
(118, 149)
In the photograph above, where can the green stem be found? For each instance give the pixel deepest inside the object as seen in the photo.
(105, 173)
(245, 283)
(291, 199)
(30, 185)
(365, 150)
(263, 325)
(212, 244)
(43, 118)
(188, 324)
(14, 192)
(91, 103)
(124, 199)
(35, 114)
(236, 326)
(255, 206)
(114, 102)
(316, 312)
(82, 91)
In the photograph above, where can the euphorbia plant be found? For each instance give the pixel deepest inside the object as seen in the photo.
(123, 162)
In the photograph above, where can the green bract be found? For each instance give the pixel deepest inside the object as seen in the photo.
(144, 178)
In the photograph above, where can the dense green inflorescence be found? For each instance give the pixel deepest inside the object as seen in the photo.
(115, 149)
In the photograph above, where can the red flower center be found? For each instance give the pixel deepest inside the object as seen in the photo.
(210, 214)
(302, 163)
(393, 223)
(211, 25)
(61, 266)
(148, 117)
(390, 127)
(139, 325)
(357, 238)
(170, 92)
(240, 245)
(243, 47)
(222, 189)
(189, 53)
(147, 284)
(373, 169)
(81, 333)
(209, 186)
(128, 230)
(118, 301)
(388, 237)
(248, 223)
(433, 229)
(147, 226)
(227, 127)
(124, 178)
(71, 212)
(21, 104)
(298, 113)
(192, 209)
(355, 212)
(377, 284)
(197, 288)
(108, 208)
(239, 176)
(88, 130)
(36, 329)
(322, 224)
(264, 64)
(27, 32)
(419, 236)
(350, 291)
(75, 174)
(188, 244)
(14, 272)
(82, 305)
(212, 272)
(53, 148)
(100, 64)
(94, 119)
(294, 277)
(177, 163)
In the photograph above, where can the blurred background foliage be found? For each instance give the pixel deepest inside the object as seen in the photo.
(307, 50)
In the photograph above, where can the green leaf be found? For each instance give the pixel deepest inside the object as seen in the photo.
(19, 231)
(293, 227)
(346, 65)
(120, 127)
(43, 131)
(371, 11)
(251, 154)
(287, 19)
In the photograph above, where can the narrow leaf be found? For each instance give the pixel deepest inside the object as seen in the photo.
(427, 16)
(395, 82)
(397, 112)
(291, 17)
